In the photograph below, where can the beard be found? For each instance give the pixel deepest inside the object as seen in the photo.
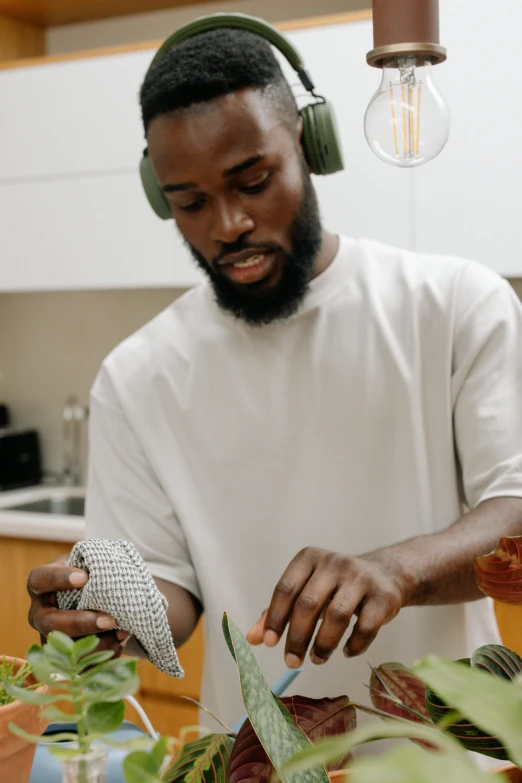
(255, 305)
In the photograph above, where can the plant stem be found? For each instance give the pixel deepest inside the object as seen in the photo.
(83, 741)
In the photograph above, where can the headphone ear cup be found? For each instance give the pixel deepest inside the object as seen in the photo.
(155, 197)
(309, 139)
(321, 141)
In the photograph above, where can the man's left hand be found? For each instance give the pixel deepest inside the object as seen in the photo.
(323, 585)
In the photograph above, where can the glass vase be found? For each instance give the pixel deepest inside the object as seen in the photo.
(85, 768)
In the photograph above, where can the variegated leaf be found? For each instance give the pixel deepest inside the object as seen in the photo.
(204, 760)
(280, 737)
(318, 718)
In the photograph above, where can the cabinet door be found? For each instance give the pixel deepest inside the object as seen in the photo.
(160, 696)
(72, 117)
(89, 232)
(72, 211)
(467, 200)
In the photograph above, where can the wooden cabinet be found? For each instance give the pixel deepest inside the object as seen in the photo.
(160, 695)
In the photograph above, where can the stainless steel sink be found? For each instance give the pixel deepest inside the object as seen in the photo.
(57, 504)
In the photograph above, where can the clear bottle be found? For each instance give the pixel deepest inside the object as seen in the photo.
(85, 768)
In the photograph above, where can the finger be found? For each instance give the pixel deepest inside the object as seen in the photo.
(285, 595)
(372, 616)
(55, 576)
(122, 636)
(336, 620)
(109, 641)
(308, 607)
(256, 634)
(71, 622)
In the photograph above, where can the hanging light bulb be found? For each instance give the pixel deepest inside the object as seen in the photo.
(407, 121)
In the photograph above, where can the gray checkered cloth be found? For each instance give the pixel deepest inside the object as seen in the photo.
(121, 585)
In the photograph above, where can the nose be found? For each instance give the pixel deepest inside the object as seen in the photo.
(230, 222)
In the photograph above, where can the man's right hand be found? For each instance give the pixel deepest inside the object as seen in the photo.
(45, 616)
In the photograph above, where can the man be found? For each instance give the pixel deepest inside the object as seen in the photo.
(319, 398)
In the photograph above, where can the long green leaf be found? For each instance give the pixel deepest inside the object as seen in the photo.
(409, 765)
(204, 760)
(111, 681)
(29, 696)
(61, 643)
(94, 660)
(159, 751)
(84, 646)
(44, 671)
(493, 704)
(39, 739)
(54, 714)
(334, 748)
(280, 738)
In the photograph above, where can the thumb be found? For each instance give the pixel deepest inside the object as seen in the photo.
(256, 633)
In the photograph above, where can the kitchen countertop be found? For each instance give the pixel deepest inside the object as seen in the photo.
(37, 525)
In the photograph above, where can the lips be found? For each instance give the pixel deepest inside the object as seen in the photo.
(248, 267)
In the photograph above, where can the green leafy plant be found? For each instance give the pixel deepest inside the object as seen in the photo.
(475, 702)
(95, 684)
(445, 707)
(10, 674)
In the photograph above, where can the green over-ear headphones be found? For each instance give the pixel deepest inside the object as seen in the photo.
(320, 138)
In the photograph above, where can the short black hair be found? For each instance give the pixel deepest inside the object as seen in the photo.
(210, 65)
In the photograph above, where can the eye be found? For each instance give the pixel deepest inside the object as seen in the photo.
(256, 187)
(194, 206)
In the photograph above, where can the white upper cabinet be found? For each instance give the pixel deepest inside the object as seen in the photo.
(72, 211)
(87, 233)
(71, 117)
(73, 214)
(468, 200)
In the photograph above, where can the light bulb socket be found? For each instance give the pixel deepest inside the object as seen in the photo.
(403, 28)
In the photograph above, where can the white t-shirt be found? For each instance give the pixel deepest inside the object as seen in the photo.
(220, 450)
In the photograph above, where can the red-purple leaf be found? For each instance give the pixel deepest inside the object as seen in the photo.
(395, 689)
(316, 717)
(499, 574)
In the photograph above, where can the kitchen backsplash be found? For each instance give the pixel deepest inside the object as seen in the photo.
(52, 344)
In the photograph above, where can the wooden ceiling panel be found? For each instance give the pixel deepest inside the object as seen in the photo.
(51, 13)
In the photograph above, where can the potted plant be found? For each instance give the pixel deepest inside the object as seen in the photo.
(426, 704)
(16, 755)
(95, 684)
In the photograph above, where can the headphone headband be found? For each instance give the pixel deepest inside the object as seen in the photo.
(239, 22)
(321, 145)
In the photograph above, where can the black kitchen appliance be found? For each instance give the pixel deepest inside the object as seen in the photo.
(20, 461)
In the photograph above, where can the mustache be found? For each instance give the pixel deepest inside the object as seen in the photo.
(241, 244)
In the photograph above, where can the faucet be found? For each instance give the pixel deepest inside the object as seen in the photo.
(73, 414)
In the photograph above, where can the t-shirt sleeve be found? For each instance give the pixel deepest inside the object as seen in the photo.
(125, 500)
(487, 386)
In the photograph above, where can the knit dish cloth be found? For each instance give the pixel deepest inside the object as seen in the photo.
(121, 585)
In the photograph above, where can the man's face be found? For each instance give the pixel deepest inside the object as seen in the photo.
(242, 199)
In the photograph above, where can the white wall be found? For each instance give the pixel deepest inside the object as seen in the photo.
(51, 346)
(160, 24)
